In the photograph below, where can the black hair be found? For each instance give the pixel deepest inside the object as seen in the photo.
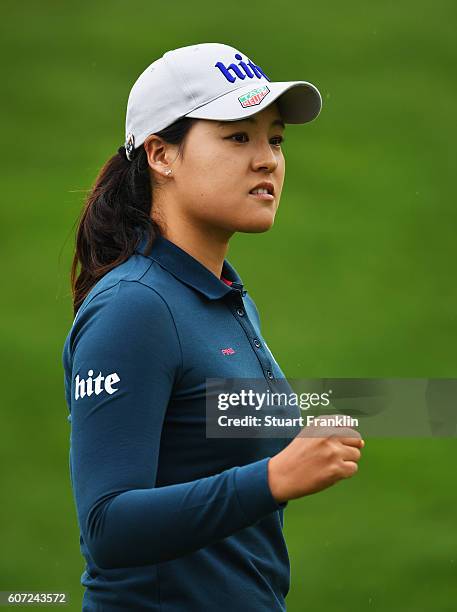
(116, 213)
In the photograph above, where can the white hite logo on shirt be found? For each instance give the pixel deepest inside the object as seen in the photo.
(86, 387)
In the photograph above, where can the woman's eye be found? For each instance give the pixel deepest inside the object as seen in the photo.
(240, 134)
(279, 139)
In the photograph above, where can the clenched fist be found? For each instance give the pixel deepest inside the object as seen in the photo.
(317, 458)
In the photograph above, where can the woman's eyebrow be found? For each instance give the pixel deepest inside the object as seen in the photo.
(279, 122)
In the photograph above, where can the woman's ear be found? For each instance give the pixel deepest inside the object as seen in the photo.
(159, 154)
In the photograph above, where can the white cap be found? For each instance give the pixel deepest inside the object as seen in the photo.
(210, 81)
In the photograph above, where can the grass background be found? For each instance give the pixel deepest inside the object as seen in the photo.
(356, 278)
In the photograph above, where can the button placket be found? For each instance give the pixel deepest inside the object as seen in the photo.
(243, 320)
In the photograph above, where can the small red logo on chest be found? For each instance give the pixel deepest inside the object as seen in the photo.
(227, 351)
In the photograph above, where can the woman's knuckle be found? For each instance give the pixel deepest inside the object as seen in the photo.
(353, 469)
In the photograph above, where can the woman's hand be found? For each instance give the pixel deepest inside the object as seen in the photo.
(317, 458)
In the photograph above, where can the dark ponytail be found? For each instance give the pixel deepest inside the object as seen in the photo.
(117, 211)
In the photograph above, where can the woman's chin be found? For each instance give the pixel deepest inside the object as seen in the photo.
(258, 224)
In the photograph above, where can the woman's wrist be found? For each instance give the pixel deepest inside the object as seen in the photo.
(274, 481)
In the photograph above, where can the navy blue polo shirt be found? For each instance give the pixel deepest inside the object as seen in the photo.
(169, 519)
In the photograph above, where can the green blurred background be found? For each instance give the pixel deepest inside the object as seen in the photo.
(356, 278)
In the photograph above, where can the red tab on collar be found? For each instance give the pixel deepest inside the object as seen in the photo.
(226, 281)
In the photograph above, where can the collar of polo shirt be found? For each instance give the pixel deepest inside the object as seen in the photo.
(189, 270)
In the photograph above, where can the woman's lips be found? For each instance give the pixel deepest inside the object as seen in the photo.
(262, 196)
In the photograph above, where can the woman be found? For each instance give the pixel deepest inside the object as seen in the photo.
(171, 519)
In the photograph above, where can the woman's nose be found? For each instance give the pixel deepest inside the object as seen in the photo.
(265, 158)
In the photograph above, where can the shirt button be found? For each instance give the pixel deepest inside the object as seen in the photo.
(269, 374)
(257, 343)
(240, 312)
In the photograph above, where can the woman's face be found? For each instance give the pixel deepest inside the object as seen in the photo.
(221, 164)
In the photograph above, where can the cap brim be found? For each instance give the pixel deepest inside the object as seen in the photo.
(299, 102)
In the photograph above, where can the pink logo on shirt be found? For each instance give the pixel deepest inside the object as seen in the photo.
(227, 351)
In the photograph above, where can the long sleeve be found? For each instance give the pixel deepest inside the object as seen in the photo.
(124, 359)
